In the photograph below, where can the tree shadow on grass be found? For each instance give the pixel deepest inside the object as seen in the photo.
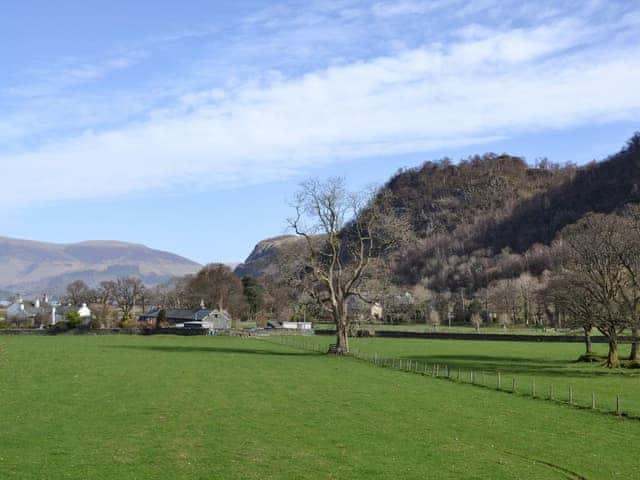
(515, 365)
(211, 349)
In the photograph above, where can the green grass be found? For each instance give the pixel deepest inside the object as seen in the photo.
(125, 407)
(548, 365)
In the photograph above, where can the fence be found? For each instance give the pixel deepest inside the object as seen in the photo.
(499, 337)
(493, 380)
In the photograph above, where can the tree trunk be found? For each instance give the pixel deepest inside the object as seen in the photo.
(612, 357)
(587, 341)
(342, 340)
(342, 332)
(634, 344)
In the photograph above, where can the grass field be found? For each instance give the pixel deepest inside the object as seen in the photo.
(126, 407)
(547, 365)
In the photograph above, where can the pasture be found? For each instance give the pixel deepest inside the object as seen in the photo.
(125, 407)
(551, 367)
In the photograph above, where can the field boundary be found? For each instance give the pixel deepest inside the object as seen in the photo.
(503, 337)
(492, 380)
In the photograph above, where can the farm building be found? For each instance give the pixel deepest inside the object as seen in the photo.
(296, 325)
(202, 318)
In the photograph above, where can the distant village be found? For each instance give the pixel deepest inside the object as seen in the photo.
(44, 312)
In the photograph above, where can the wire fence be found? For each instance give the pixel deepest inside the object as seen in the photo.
(493, 380)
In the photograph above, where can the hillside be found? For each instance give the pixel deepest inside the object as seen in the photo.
(495, 217)
(488, 217)
(263, 260)
(33, 267)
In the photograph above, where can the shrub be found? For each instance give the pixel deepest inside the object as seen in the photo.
(73, 319)
(60, 326)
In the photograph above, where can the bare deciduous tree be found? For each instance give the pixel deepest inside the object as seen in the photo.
(579, 307)
(77, 292)
(434, 319)
(343, 232)
(104, 295)
(126, 293)
(476, 321)
(593, 267)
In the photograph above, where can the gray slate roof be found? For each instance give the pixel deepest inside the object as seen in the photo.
(178, 315)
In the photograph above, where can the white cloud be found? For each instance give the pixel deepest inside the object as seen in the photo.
(487, 84)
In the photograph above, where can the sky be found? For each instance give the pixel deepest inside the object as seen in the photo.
(188, 125)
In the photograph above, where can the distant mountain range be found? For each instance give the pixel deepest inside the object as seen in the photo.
(34, 267)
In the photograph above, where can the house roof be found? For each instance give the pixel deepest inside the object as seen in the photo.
(180, 314)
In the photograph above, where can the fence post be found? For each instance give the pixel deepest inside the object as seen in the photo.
(550, 392)
(499, 382)
(513, 385)
(533, 388)
(593, 400)
(570, 395)
(458, 373)
(437, 369)
(618, 404)
(473, 380)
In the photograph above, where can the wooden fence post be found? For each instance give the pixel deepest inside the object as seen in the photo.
(533, 388)
(593, 400)
(570, 395)
(618, 404)
(499, 381)
(550, 392)
(513, 385)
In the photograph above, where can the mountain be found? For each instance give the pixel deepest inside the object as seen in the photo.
(263, 260)
(33, 267)
(487, 217)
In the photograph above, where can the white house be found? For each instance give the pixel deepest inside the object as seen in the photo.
(84, 311)
(43, 310)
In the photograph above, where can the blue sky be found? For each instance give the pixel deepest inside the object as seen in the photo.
(186, 125)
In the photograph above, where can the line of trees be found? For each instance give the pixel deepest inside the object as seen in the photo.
(215, 286)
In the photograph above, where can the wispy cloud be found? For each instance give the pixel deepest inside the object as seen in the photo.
(481, 84)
